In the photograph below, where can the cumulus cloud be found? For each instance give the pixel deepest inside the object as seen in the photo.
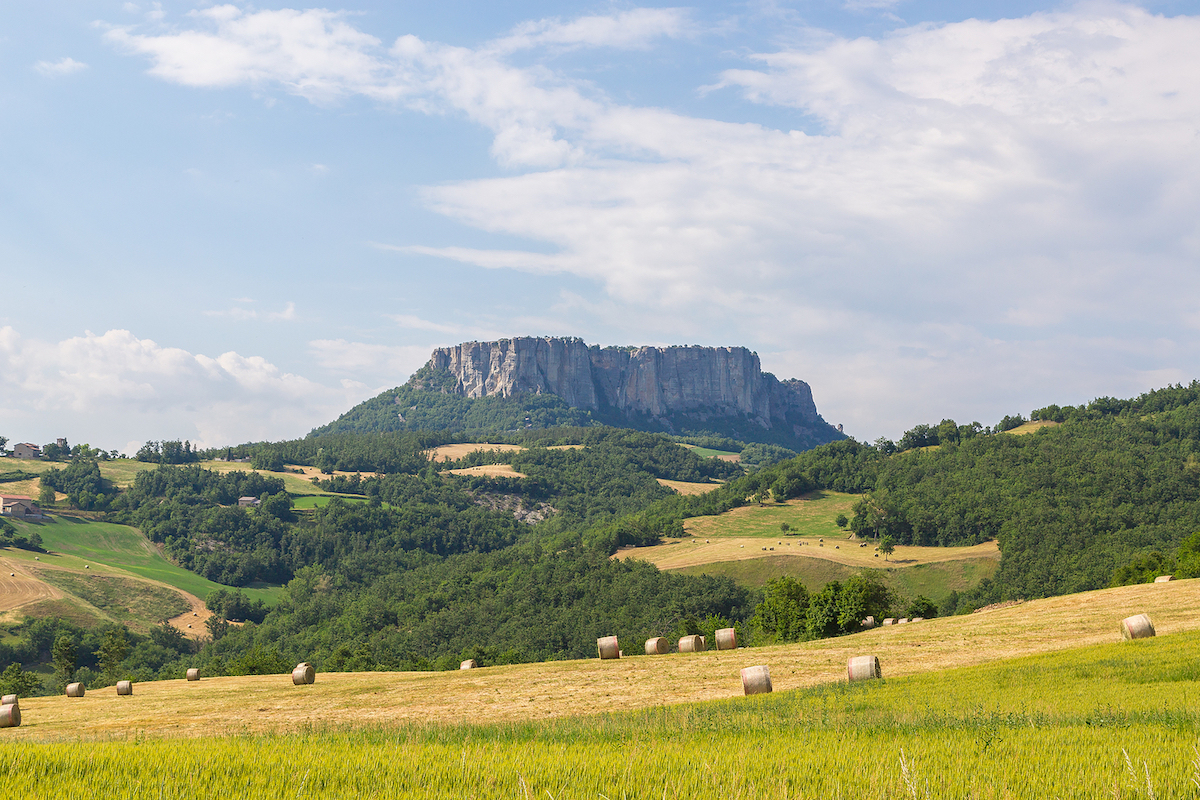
(115, 387)
(64, 66)
(954, 196)
(389, 365)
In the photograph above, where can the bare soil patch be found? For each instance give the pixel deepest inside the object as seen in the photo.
(453, 452)
(489, 470)
(686, 487)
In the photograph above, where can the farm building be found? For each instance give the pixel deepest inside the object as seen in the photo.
(26, 450)
(249, 502)
(20, 507)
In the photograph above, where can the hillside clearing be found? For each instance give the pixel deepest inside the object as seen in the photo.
(682, 553)
(708, 452)
(453, 452)
(490, 471)
(810, 515)
(688, 488)
(1032, 426)
(520, 693)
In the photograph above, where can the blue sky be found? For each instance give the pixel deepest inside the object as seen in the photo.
(232, 222)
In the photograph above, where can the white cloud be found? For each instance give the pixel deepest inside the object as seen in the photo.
(240, 312)
(389, 365)
(1015, 192)
(64, 66)
(635, 29)
(115, 387)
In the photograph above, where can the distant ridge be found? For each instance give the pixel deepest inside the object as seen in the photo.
(555, 381)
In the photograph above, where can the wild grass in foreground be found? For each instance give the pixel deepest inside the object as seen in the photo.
(1109, 721)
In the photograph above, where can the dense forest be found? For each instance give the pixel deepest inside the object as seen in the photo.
(418, 569)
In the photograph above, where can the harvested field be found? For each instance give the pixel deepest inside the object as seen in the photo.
(24, 588)
(519, 693)
(453, 452)
(489, 470)
(141, 604)
(692, 552)
(1032, 427)
(684, 487)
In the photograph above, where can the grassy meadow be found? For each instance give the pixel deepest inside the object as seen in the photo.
(812, 515)
(1107, 719)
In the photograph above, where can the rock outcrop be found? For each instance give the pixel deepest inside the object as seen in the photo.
(661, 383)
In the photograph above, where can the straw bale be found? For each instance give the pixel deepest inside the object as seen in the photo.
(691, 644)
(607, 647)
(890, 621)
(1164, 579)
(124, 687)
(868, 623)
(1138, 626)
(726, 639)
(657, 646)
(303, 674)
(917, 619)
(75, 690)
(9, 700)
(902, 620)
(861, 668)
(10, 715)
(193, 674)
(756, 680)
(468, 664)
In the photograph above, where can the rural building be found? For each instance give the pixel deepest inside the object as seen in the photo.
(20, 508)
(26, 450)
(249, 502)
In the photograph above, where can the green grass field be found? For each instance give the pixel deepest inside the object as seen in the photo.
(708, 452)
(1114, 720)
(306, 502)
(75, 542)
(811, 515)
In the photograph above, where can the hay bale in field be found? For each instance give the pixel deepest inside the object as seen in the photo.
(75, 690)
(608, 647)
(303, 674)
(657, 646)
(917, 619)
(9, 700)
(756, 680)
(890, 621)
(1164, 579)
(867, 623)
(902, 620)
(124, 687)
(1138, 626)
(726, 639)
(10, 715)
(468, 664)
(691, 644)
(193, 674)
(863, 668)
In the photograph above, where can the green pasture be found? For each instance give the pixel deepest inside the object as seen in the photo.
(708, 452)
(306, 502)
(813, 515)
(1116, 720)
(74, 543)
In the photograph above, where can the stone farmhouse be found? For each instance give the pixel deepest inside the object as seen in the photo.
(19, 507)
(26, 450)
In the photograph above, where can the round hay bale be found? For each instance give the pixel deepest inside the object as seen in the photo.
(902, 620)
(1138, 626)
(756, 680)
(124, 687)
(727, 639)
(75, 690)
(1164, 579)
(608, 647)
(193, 674)
(468, 664)
(87, 566)
(869, 622)
(9, 700)
(890, 621)
(12, 574)
(862, 668)
(10, 716)
(303, 674)
(877, 555)
(691, 644)
(657, 646)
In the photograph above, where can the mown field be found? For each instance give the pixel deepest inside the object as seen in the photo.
(1033, 701)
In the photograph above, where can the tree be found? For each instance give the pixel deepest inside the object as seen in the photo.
(887, 546)
(65, 658)
(862, 596)
(3, 442)
(46, 495)
(781, 614)
(15, 680)
(841, 520)
(112, 652)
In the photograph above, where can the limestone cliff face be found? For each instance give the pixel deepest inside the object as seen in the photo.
(699, 382)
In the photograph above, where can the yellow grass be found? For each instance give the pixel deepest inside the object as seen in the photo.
(1032, 427)
(684, 487)
(220, 706)
(489, 470)
(453, 452)
(696, 551)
